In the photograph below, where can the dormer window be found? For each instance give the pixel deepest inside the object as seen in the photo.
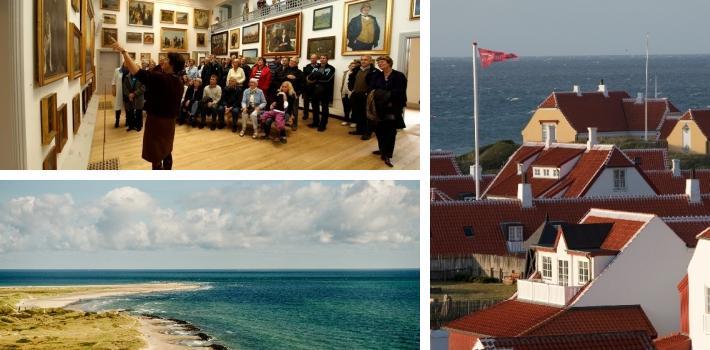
(546, 173)
(546, 267)
(515, 239)
(619, 179)
(583, 273)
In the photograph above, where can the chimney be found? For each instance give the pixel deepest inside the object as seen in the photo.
(591, 138)
(602, 88)
(575, 89)
(525, 193)
(675, 168)
(692, 188)
(475, 173)
(639, 98)
(549, 139)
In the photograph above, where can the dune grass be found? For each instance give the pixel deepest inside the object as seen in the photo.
(59, 328)
(472, 291)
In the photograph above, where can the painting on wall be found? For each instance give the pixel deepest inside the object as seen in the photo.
(75, 5)
(134, 37)
(132, 55)
(140, 13)
(62, 127)
(50, 161)
(219, 43)
(173, 39)
(202, 18)
(181, 18)
(48, 111)
(367, 27)
(109, 18)
(323, 18)
(52, 46)
(167, 16)
(88, 44)
(145, 57)
(108, 36)
(282, 36)
(251, 55)
(76, 113)
(148, 38)
(322, 46)
(234, 39)
(201, 39)
(414, 9)
(111, 5)
(162, 56)
(199, 55)
(250, 34)
(75, 61)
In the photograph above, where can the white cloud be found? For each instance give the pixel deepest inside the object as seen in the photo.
(284, 213)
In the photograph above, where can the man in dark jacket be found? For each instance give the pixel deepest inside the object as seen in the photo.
(308, 87)
(230, 100)
(212, 67)
(360, 83)
(278, 76)
(191, 102)
(247, 71)
(363, 30)
(295, 77)
(322, 93)
(133, 100)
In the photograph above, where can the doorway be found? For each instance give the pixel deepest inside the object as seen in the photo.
(408, 62)
(108, 62)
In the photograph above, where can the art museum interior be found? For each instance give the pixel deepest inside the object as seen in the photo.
(62, 73)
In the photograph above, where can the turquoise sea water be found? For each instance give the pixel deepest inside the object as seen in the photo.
(332, 309)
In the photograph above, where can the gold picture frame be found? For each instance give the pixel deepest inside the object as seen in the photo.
(107, 34)
(234, 38)
(251, 35)
(134, 37)
(75, 53)
(62, 127)
(174, 44)
(111, 5)
(50, 161)
(48, 113)
(201, 18)
(381, 43)
(140, 13)
(148, 38)
(201, 40)
(282, 36)
(414, 9)
(182, 18)
(76, 113)
(52, 41)
(167, 16)
(88, 44)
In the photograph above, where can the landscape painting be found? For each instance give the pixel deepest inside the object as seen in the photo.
(251, 55)
(134, 37)
(181, 18)
(108, 36)
(111, 5)
(201, 18)
(322, 46)
(109, 18)
(250, 34)
(219, 43)
(52, 45)
(145, 57)
(234, 39)
(323, 18)
(282, 36)
(173, 39)
(167, 16)
(140, 13)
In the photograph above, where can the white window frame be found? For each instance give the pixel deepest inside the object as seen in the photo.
(619, 179)
(582, 272)
(515, 233)
(546, 173)
(685, 134)
(563, 272)
(536, 172)
(546, 267)
(553, 128)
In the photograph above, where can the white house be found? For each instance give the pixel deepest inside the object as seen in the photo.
(699, 293)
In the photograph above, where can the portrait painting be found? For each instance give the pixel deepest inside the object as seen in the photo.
(50, 161)
(167, 16)
(414, 9)
(148, 38)
(233, 53)
(109, 18)
(134, 37)
(201, 18)
(145, 56)
(282, 36)
(323, 18)
(75, 5)
(76, 113)
(173, 39)
(251, 55)
(250, 34)
(367, 27)
(201, 39)
(52, 41)
(108, 36)
(234, 39)
(140, 13)
(62, 127)
(322, 46)
(181, 18)
(75, 53)
(111, 5)
(219, 43)
(48, 111)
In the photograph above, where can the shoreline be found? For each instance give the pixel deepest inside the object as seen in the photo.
(158, 333)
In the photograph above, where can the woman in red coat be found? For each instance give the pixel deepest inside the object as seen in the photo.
(262, 73)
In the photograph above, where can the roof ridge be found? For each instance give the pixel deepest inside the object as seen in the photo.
(688, 218)
(458, 176)
(580, 199)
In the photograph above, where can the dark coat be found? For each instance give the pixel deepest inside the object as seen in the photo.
(230, 97)
(138, 89)
(298, 81)
(371, 73)
(397, 86)
(309, 85)
(324, 78)
(193, 95)
(355, 27)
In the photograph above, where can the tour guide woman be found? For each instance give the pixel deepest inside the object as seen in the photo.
(164, 90)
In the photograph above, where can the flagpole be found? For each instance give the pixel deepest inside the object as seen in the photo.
(477, 173)
(645, 97)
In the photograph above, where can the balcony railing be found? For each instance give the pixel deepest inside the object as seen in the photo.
(268, 11)
(546, 293)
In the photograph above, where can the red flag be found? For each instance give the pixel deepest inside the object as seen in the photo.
(490, 56)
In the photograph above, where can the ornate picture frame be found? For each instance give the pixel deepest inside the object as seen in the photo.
(173, 39)
(323, 18)
(379, 18)
(282, 36)
(219, 43)
(250, 33)
(52, 47)
(140, 13)
(76, 113)
(322, 46)
(48, 113)
(62, 128)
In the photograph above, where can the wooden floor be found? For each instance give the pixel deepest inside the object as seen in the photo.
(203, 149)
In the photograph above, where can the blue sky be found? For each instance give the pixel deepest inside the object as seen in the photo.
(209, 225)
(569, 27)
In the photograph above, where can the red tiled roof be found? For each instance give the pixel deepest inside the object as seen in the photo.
(506, 319)
(688, 228)
(618, 159)
(701, 118)
(456, 185)
(437, 195)
(597, 341)
(666, 183)
(580, 177)
(649, 159)
(506, 181)
(676, 341)
(443, 165)
(635, 114)
(596, 319)
(557, 156)
(666, 128)
(485, 217)
(621, 232)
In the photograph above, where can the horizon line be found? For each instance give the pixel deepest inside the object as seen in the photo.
(214, 269)
(593, 55)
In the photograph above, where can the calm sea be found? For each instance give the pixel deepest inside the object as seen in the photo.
(510, 91)
(336, 309)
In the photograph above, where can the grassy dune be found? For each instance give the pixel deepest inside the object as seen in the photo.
(60, 328)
